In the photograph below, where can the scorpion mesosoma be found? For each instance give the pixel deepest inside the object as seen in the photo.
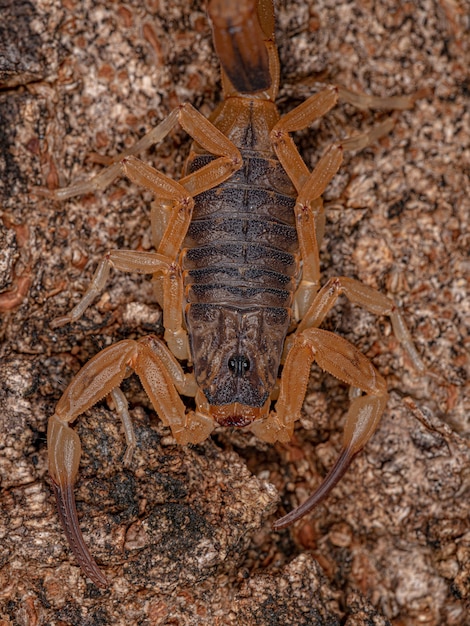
(236, 272)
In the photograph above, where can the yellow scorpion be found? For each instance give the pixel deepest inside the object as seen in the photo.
(236, 271)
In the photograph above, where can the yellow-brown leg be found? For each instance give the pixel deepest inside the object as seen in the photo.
(123, 260)
(141, 263)
(195, 124)
(311, 185)
(177, 197)
(121, 406)
(163, 380)
(365, 296)
(341, 359)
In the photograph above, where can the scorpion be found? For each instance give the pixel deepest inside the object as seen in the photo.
(237, 274)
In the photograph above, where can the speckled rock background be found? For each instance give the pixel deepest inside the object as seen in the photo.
(185, 535)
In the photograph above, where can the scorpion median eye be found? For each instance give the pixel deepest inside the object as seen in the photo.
(238, 365)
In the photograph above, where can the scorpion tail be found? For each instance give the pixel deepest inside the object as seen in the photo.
(241, 31)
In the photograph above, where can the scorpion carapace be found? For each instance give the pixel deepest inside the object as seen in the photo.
(236, 271)
(233, 361)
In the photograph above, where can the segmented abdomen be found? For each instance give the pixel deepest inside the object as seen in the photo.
(241, 247)
(240, 269)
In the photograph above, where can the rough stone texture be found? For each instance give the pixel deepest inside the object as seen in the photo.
(185, 535)
(29, 42)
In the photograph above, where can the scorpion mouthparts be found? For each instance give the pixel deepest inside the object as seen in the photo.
(239, 421)
(235, 414)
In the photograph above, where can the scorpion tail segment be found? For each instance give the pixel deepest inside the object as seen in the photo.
(69, 519)
(239, 41)
(333, 477)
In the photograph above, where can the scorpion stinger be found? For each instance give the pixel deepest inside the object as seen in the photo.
(236, 266)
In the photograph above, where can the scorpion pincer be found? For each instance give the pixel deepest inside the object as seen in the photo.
(236, 272)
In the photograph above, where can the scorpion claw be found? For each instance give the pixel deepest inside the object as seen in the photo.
(333, 477)
(69, 520)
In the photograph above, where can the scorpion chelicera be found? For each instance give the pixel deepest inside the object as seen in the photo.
(236, 272)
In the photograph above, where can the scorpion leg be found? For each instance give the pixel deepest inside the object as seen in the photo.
(162, 378)
(313, 306)
(341, 359)
(177, 197)
(310, 217)
(121, 406)
(310, 186)
(365, 101)
(141, 263)
(369, 298)
(194, 123)
(298, 119)
(181, 193)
